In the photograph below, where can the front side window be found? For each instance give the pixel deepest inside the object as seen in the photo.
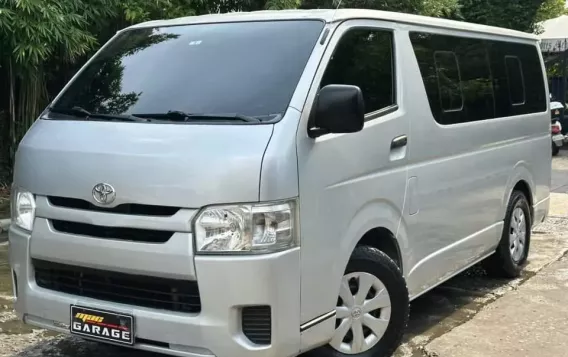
(364, 58)
(245, 68)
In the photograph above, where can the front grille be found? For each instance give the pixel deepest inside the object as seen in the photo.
(257, 324)
(130, 234)
(158, 293)
(127, 208)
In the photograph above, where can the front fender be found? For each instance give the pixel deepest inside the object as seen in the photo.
(374, 214)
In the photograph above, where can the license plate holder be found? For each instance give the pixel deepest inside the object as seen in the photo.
(102, 325)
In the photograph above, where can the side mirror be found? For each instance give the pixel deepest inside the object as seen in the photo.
(338, 109)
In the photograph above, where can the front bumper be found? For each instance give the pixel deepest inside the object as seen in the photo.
(226, 284)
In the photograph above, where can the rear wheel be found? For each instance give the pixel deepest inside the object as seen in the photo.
(372, 308)
(513, 249)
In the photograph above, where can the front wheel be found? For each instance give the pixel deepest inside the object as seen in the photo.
(372, 308)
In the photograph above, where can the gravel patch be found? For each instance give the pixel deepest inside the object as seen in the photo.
(552, 225)
(34, 344)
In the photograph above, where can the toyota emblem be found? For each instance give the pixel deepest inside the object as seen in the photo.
(104, 193)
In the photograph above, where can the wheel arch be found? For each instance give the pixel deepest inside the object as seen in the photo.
(521, 180)
(385, 241)
(524, 187)
(379, 224)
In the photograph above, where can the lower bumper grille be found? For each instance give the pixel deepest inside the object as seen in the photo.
(257, 324)
(138, 290)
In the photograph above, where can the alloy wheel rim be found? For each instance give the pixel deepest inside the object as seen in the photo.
(362, 314)
(517, 234)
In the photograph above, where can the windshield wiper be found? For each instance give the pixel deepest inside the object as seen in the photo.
(84, 113)
(177, 115)
(77, 111)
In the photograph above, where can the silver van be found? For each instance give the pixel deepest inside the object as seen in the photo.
(269, 183)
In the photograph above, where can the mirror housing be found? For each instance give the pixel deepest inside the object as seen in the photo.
(338, 109)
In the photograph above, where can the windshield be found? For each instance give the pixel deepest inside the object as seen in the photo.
(241, 69)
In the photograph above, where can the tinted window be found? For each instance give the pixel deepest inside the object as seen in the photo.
(364, 57)
(515, 80)
(493, 76)
(449, 83)
(476, 80)
(506, 85)
(250, 68)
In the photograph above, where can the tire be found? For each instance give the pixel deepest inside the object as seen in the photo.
(555, 150)
(507, 262)
(370, 267)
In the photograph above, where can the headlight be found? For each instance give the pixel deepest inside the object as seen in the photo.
(256, 228)
(23, 209)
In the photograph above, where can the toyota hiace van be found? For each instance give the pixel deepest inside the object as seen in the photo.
(269, 183)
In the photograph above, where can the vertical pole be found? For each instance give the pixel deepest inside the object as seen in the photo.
(563, 88)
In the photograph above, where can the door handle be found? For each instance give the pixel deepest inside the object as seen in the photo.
(399, 141)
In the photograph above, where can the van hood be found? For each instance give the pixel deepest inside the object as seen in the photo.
(181, 165)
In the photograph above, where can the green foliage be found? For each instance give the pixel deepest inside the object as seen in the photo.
(440, 8)
(435, 8)
(550, 9)
(282, 4)
(144, 10)
(32, 30)
(522, 15)
(408, 6)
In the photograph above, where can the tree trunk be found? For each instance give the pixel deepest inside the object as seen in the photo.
(12, 110)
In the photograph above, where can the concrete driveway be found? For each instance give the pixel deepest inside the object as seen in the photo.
(559, 182)
(434, 316)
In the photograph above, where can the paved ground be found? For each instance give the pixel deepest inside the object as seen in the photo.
(559, 182)
(439, 319)
(529, 322)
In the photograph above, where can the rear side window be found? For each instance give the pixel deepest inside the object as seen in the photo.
(507, 60)
(493, 77)
(476, 80)
(515, 80)
(449, 82)
(364, 58)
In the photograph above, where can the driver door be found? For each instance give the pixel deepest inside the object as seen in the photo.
(351, 183)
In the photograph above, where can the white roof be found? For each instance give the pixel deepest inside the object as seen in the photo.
(330, 15)
(555, 35)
